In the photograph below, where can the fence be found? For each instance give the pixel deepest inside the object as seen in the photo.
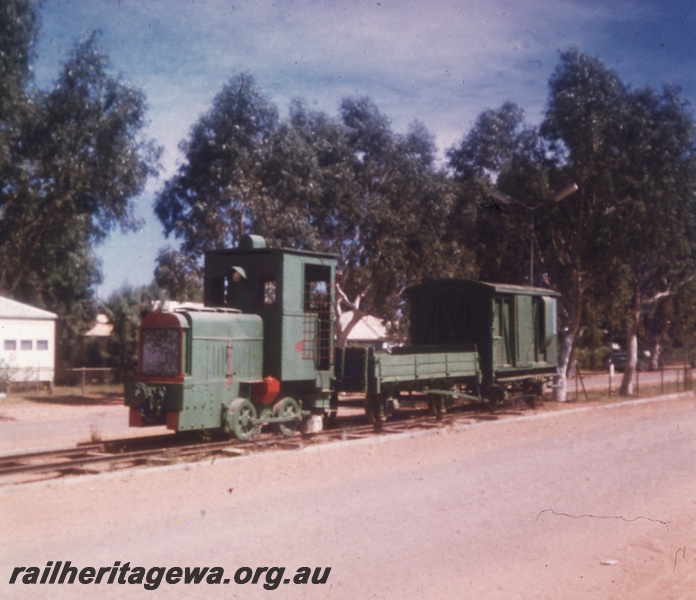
(83, 379)
(665, 380)
(39, 379)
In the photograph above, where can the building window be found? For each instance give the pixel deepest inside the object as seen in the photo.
(10, 345)
(26, 345)
(42, 345)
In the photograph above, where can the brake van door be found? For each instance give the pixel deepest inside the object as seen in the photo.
(503, 332)
(525, 331)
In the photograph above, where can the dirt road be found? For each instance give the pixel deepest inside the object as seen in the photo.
(591, 504)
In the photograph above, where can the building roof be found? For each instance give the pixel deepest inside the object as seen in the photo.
(482, 286)
(368, 329)
(103, 328)
(11, 309)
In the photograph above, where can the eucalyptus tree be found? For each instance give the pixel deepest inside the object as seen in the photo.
(310, 182)
(73, 158)
(500, 151)
(125, 309)
(20, 22)
(346, 184)
(178, 275)
(653, 221)
(403, 203)
(629, 232)
(82, 163)
(352, 186)
(583, 120)
(208, 203)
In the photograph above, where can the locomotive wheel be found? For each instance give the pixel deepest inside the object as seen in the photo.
(287, 408)
(243, 415)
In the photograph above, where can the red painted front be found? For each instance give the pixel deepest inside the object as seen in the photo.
(135, 419)
(173, 420)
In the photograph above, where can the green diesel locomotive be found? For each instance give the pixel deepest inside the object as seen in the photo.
(261, 350)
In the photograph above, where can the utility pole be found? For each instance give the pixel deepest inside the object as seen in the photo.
(509, 201)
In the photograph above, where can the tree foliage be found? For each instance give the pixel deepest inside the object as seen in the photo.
(500, 151)
(125, 309)
(19, 27)
(630, 233)
(72, 160)
(346, 184)
(179, 276)
(207, 203)
(654, 220)
(625, 240)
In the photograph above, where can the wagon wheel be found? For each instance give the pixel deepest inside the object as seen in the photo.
(243, 416)
(437, 405)
(373, 411)
(493, 394)
(289, 409)
(534, 387)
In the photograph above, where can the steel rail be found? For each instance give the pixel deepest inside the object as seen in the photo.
(116, 453)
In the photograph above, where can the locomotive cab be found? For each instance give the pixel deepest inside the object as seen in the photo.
(293, 293)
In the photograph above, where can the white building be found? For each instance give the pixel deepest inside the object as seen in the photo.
(27, 341)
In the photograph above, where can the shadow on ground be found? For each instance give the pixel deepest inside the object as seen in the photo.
(101, 399)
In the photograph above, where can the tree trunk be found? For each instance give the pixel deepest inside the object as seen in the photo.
(358, 313)
(631, 363)
(632, 346)
(560, 390)
(655, 352)
(565, 350)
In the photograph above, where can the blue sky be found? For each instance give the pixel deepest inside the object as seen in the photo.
(442, 62)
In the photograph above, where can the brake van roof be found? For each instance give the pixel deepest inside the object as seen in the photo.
(502, 288)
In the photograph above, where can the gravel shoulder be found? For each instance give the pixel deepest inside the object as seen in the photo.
(503, 540)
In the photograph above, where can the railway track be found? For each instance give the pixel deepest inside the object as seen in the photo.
(112, 455)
